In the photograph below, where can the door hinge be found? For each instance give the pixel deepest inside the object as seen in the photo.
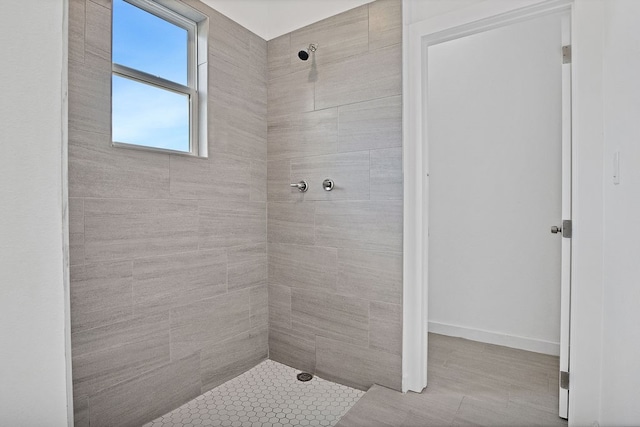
(567, 228)
(566, 54)
(564, 380)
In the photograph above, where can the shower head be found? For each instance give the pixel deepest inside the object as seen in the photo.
(304, 54)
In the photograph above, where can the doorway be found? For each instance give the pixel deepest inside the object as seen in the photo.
(494, 172)
(495, 186)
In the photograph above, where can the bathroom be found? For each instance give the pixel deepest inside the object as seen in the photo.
(187, 271)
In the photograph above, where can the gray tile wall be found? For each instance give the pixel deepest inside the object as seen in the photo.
(335, 258)
(168, 253)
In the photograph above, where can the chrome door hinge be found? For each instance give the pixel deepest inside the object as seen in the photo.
(567, 228)
(564, 380)
(566, 54)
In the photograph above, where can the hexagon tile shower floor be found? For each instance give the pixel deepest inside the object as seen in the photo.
(269, 395)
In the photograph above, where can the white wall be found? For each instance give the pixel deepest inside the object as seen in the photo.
(33, 323)
(273, 18)
(494, 131)
(419, 10)
(621, 315)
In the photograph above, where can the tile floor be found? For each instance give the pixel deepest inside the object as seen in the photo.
(269, 395)
(470, 383)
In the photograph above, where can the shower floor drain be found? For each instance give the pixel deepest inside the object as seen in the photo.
(304, 377)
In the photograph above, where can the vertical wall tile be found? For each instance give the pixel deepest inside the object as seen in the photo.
(370, 125)
(98, 23)
(234, 130)
(306, 267)
(104, 3)
(76, 30)
(231, 223)
(385, 23)
(344, 363)
(349, 172)
(385, 324)
(279, 306)
(221, 176)
(258, 59)
(290, 93)
(236, 86)
(76, 215)
(292, 349)
(205, 323)
(247, 266)
(375, 276)
(278, 180)
(161, 283)
(279, 56)
(76, 248)
(101, 294)
(259, 297)
(228, 40)
(90, 95)
(360, 225)
(303, 134)
(258, 186)
(96, 169)
(335, 316)
(356, 366)
(291, 222)
(76, 231)
(237, 132)
(80, 412)
(237, 113)
(377, 74)
(232, 357)
(125, 229)
(386, 174)
(143, 398)
(108, 355)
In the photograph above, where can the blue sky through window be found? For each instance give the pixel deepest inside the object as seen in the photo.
(146, 115)
(143, 114)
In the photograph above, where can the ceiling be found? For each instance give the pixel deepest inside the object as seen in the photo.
(273, 18)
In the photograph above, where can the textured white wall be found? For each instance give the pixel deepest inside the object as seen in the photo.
(33, 373)
(273, 18)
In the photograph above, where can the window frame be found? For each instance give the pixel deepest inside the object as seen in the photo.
(194, 23)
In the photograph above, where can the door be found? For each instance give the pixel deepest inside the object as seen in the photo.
(499, 177)
(565, 285)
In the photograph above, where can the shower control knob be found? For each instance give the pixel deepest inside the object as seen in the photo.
(301, 186)
(328, 184)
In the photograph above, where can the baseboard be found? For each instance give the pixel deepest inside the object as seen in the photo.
(522, 343)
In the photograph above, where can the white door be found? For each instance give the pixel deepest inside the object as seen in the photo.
(565, 285)
(499, 177)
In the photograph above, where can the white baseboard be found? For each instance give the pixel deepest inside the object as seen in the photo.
(529, 344)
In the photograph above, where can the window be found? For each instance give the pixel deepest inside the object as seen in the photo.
(158, 95)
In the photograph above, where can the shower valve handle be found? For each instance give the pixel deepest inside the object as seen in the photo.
(301, 186)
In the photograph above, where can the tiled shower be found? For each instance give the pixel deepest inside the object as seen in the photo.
(187, 272)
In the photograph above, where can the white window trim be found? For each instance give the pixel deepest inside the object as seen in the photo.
(196, 25)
